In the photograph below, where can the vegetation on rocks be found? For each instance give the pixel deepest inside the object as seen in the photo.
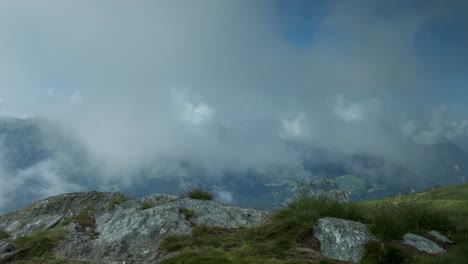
(146, 205)
(120, 198)
(188, 213)
(199, 193)
(39, 245)
(4, 234)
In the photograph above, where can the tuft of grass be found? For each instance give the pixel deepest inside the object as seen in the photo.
(4, 234)
(38, 245)
(188, 213)
(175, 243)
(120, 198)
(146, 205)
(387, 224)
(199, 194)
(424, 217)
(391, 222)
(378, 252)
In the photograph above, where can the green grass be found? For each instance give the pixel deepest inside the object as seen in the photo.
(199, 194)
(378, 252)
(188, 213)
(285, 239)
(4, 234)
(38, 245)
(146, 205)
(120, 198)
(288, 236)
(390, 222)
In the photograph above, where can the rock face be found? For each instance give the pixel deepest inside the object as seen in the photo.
(422, 244)
(123, 233)
(341, 239)
(440, 237)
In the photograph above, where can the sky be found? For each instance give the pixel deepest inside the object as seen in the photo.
(226, 83)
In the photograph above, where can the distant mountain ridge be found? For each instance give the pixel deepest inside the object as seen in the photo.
(38, 159)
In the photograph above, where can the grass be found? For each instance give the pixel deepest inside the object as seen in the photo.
(389, 222)
(199, 193)
(188, 213)
(4, 234)
(38, 245)
(288, 236)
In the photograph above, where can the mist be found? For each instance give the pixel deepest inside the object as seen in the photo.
(225, 84)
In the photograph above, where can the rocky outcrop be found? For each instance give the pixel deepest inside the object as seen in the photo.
(341, 239)
(422, 244)
(158, 199)
(105, 228)
(49, 212)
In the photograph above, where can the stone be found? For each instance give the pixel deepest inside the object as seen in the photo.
(159, 199)
(440, 237)
(7, 250)
(342, 239)
(422, 244)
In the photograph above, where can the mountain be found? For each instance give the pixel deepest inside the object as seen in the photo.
(38, 159)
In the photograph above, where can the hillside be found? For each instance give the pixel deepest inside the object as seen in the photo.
(99, 227)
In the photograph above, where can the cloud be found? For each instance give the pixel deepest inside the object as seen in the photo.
(75, 98)
(354, 111)
(294, 127)
(194, 112)
(363, 83)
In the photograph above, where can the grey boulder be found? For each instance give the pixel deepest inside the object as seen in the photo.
(342, 239)
(422, 244)
(440, 237)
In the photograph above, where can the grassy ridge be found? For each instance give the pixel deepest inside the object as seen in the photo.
(288, 237)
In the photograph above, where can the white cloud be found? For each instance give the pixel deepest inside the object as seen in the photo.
(354, 111)
(293, 127)
(75, 98)
(192, 110)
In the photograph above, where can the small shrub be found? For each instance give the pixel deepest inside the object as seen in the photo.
(199, 194)
(4, 234)
(188, 213)
(146, 205)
